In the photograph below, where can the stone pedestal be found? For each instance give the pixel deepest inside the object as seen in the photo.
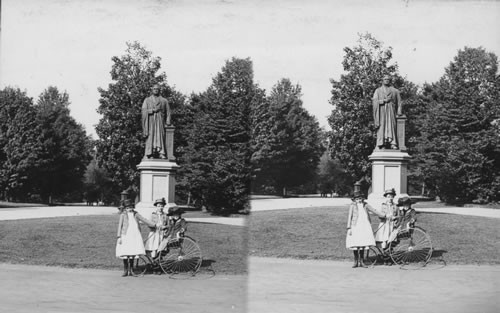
(157, 181)
(389, 170)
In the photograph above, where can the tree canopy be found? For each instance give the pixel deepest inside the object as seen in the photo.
(20, 144)
(458, 150)
(120, 146)
(287, 141)
(44, 150)
(217, 156)
(352, 138)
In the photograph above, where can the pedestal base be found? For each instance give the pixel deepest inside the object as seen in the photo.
(389, 170)
(157, 181)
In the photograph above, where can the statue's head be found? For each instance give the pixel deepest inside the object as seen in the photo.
(386, 80)
(156, 89)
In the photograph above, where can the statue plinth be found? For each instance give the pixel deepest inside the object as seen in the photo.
(157, 181)
(389, 170)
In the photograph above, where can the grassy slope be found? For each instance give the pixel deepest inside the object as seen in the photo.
(89, 242)
(319, 233)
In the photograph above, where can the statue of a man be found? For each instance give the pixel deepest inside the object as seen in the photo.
(386, 104)
(155, 117)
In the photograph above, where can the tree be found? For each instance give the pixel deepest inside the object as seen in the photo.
(287, 141)
(65, 146)
(98, 186)
(332, 178)
(458, 151)
(217, 155)
(352, 138)
(20, 144)
(120, 146)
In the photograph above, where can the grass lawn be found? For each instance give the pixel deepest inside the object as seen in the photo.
(89, 242)
(319, 233)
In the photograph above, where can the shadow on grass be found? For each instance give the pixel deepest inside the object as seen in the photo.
(438, 254)
(207, 263)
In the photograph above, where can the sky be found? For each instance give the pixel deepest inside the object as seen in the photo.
(69, 43)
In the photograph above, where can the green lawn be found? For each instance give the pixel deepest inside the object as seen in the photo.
(89, 242)
(319, 233)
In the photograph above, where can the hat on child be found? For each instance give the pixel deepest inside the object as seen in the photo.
(404, 201)
(390, 192)
(175, 210)
(162, 201)
(357, 194)
(128, 203)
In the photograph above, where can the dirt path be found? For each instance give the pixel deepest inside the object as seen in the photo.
(293, 286)
(50, 289)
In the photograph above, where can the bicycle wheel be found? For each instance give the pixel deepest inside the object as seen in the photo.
(373, 256)
(411, 246)
(141, 265)
(182, 256)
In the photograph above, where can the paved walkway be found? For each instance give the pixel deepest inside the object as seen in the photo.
(294, 203)
(312, 202)
(56, 211)
(28, 289)
(305, 286)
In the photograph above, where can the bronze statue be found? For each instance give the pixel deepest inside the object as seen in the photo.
(386, 104)
(155, 118)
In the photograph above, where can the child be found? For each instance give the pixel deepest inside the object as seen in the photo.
(359, 229)
(386, 225)
(177, 225)
(406, 216)
(129, 244)
(160, 219)
(175, 228)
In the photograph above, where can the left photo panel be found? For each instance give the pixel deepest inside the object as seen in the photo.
(119, 190)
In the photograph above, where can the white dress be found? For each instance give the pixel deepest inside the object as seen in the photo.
(131, 241)
(361, 233)
(155, 236)
(385, 228)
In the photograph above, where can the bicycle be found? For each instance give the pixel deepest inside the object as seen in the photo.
(180, 255)
(409, 245)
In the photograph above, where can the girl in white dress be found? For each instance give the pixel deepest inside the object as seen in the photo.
(129, 244)
(160, 219)
(386, 225)
(359, 230)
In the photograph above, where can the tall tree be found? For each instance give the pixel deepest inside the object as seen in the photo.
(332, 178)
(65, 147)
(98, 186)
(120, 146)
(20, 144)
(458, 151)
(352, 138)
(286, 140)
(217, 157)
